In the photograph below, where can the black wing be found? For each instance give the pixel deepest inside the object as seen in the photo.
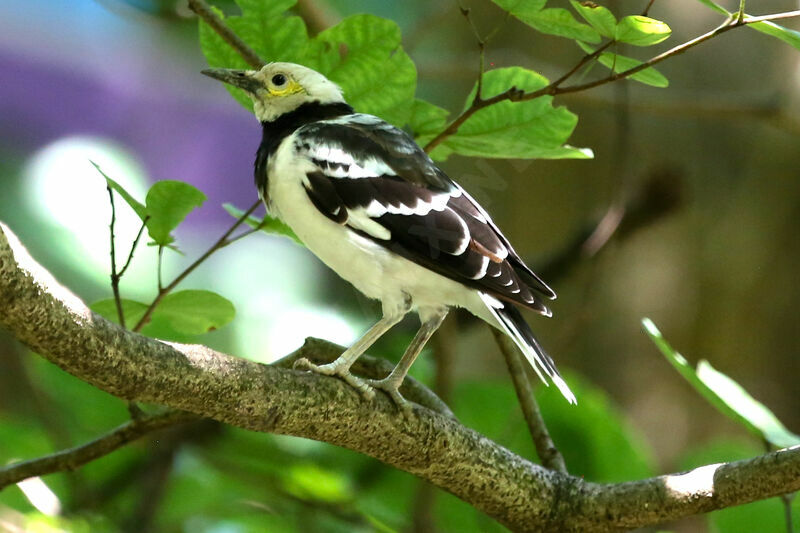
(374, 178)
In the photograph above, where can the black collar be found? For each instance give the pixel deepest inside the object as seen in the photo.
(275, 131)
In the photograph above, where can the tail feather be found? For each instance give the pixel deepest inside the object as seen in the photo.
(514, 326)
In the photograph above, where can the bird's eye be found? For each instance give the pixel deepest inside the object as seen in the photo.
(278, 80)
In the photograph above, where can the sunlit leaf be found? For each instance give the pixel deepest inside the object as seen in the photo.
(267, 224)
(167, 204)
(136, 205)
(188, 312)
(529, 129)
(599, 17)
(725, 394)
(426, 120)
(362, 54)
(618, 63)
(266, 28)
(194, 312)
(552, 21)
(309, 481)
(132, 310)
(641, 31)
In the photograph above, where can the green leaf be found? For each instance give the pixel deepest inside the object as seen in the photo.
(725, 394)
(194, 312)
(362, 54)
(599, 17)
(641, 31)
(265, 27)
(529, 129)
(791, 37)
(552, 21)
(168, 202)
(137, 206)
(133, 310)
(618, 63)
(426, 120)
(267, 224)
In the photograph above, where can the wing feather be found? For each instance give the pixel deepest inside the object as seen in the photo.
(374, 178)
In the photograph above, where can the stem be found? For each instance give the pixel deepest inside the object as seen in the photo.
(75, 457)
(133, 246)
(114, 276)
(545, 447)
(740, 14)
(647, 9)
(163, 291)
(160, 261)
(515, 95)
(204, 11)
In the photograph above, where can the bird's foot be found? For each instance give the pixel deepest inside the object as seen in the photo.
(338, 370)
(391, 387)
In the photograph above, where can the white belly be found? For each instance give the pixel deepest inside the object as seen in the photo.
(370, 267)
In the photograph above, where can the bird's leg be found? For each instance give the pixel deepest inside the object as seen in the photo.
(391, 383)
(341, 365)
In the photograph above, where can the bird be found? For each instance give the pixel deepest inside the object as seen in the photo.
(368, 201)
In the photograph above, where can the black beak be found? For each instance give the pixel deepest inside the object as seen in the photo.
(238, 78)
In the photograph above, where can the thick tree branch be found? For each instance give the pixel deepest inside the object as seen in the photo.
(525, 497)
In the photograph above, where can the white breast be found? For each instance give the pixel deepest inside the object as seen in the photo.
(369, 266)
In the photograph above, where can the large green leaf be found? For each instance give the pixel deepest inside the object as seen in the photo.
(136, 205)
(618, 63)
(267, 224)
(362, 54)
(189, 312)
(641, 31)
(266, 28)
(529, 129)
(426, 120)
(167, 204)
(599, 17)
(552, 21)
(725, 394)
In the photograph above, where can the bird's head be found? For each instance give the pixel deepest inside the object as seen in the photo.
(279, 88)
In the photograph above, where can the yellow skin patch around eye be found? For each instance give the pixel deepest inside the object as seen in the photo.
(292, 88)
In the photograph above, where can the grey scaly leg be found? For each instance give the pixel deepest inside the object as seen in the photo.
(341, 366)
(391, 383)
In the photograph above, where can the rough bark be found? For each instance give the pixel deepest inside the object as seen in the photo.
(523, 496)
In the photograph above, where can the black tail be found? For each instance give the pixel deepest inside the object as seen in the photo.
(515, 327)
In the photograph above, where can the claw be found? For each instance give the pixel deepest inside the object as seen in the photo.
(391, 387)
(333, 369)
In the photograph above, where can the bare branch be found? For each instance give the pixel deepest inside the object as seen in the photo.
(114, 276)
(545, 447)
(76, 457)
(204, 11)
(53, 322)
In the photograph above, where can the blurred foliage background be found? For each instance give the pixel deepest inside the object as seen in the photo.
(119, 82)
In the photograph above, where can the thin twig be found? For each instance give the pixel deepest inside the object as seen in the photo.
(647, 9)
(114, 276)
(221, 243)
(740, 13)
(75, 457)
(204, 11)
(133, 246)
(158, 268)
(545, 447)
(515, 95)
